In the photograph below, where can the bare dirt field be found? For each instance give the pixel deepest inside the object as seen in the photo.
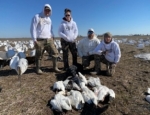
(130, 82)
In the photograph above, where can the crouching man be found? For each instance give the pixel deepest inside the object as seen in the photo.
(87, 45)
(107, 52)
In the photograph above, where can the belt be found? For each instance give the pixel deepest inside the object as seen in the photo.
(41, 39)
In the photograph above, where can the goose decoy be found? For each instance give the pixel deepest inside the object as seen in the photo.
(32, 53)
(10, 53)
(20, 65)
(21, 55)
(140, 46)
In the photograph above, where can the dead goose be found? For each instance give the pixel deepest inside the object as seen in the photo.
(94, 82)
(103, 91)
(71, 85)
(148, 98)
(148, 91)
(82, 78)
(60, 102)
(58, 86)
(76, 98)
(89, 96)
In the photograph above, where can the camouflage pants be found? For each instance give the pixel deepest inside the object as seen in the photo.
(45, 44)
(66, 46)
(99, 59)
(86, 60)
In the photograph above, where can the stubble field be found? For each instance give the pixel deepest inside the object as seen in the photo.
(130, 82)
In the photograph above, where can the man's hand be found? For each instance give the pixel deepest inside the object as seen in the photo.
(114, 65)
(104, 52)
(35, 42)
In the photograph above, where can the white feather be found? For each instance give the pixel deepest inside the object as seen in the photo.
(148, 98)
(82, 78)
(59, 85)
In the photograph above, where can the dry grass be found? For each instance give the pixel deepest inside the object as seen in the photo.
(129, 83)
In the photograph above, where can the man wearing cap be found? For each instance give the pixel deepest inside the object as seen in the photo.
(86, 45)
(68, 32)
(42, 35)
(107, 52)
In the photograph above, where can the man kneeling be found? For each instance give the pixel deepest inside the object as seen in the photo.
(86, 45)
(107, 52)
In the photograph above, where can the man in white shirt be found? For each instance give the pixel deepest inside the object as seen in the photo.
(42, 35)
(107, 52)
(86, 45)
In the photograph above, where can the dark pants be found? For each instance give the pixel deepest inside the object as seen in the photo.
(101, 59)
(86, 60)
(66, 46)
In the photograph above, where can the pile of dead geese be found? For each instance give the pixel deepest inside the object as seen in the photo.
(74, 92)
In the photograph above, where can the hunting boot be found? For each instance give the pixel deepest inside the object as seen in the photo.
(110, 69)
(55, 65)
(97, 66)
(66, 66)
(85, 62)
(38, 64)
(65, 62)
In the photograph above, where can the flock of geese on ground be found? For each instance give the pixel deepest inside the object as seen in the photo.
(14, 54)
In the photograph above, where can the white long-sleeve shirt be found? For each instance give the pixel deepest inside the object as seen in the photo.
(68, 30)
(86, 45)
(113, 51)
(41, 26)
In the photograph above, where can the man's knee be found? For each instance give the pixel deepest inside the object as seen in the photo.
(39, 53)
(97, 58)
(85, 61)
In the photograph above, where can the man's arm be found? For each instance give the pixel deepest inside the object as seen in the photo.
(117, 53)
(61, 34)
(75, 31)
(33, 28)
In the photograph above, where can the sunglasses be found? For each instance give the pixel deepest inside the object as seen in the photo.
(47, 10)
(90, 32)
(67, 15)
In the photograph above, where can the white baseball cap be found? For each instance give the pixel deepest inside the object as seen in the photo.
(91, 29)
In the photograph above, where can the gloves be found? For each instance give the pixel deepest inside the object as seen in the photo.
(104, 52)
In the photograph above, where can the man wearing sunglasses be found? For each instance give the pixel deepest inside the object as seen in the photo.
(68, 32)
(86, 45)
(107, 52)
(42, 35)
